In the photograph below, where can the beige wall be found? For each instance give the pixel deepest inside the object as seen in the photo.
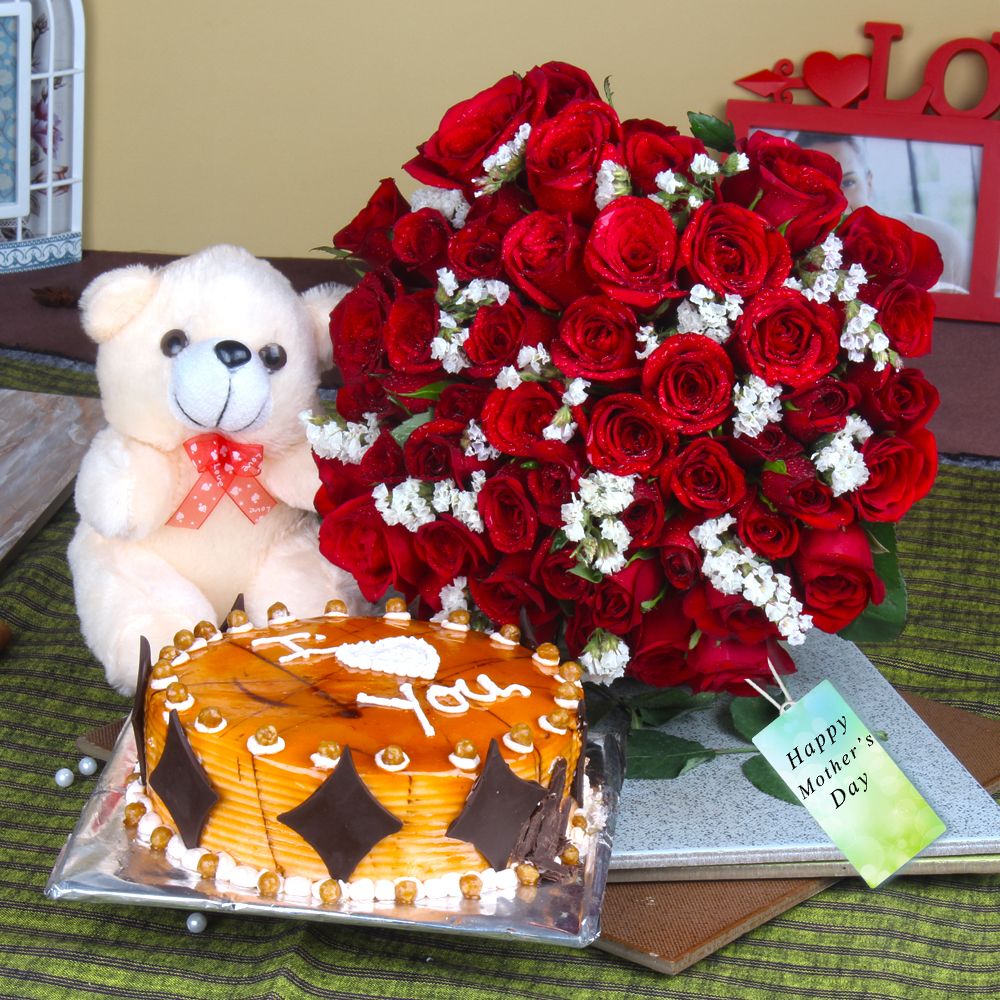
(270, 124)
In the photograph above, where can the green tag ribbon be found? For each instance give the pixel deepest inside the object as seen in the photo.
(850, 785)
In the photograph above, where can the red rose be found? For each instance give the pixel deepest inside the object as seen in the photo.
(472, 130)
(513, 419)
(725, 664)
(820, 408)
(680, 556)
(788, 184)
(733, 251)
(475, 251)
(798, 491)
(560, 83)
(784, 337)
(596, 340)
(409, 330)
(499, 332)
(772, 444)
(339, 482)
(660, 646)
(626, 435)
(363, 395)
(383, 461)
(645, 515)
(904, 401)
(690, 378)
(837, 575)
(704, 478)
(727, 616)
(553, 480)
(461, 402)
(890, 250)
(500, 210)
(563, 156)
(650, 147)
(550, 571)
(449, 549)
(355, 538)
(367, 234)
(617, 602)
(631, 250)
(901, 471)
(356, 325)
(543, 255)
(579, 628)
(420, 240)
(508, 589)
(510, 519)
(906, 315)
(766, 531)
(432, 452)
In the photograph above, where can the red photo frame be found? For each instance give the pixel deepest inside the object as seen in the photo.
(981, 302)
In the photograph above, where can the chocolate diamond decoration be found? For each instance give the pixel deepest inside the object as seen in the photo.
(498, 806)
(139, 704)
(342, 821)
(182, 784)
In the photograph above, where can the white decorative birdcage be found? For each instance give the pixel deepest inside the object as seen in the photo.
(41, 133)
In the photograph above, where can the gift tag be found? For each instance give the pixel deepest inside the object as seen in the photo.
(849, 784)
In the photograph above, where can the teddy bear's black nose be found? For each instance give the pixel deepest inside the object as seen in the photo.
(232, 353)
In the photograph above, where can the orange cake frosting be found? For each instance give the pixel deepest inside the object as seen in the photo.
(277, 718)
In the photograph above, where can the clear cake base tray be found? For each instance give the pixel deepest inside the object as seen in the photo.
(99, 863)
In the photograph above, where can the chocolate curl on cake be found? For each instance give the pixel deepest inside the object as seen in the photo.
(139, 703)
(543, 837)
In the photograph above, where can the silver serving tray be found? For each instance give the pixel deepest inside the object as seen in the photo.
(99, 864)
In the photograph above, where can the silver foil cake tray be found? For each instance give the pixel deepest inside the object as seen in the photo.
(99, 863)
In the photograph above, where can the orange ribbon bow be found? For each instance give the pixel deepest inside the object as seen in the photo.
(227, 468)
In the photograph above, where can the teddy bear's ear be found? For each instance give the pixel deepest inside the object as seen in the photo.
(112, 299)
(320, 302)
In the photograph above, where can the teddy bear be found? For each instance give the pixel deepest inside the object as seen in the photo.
(201, 486)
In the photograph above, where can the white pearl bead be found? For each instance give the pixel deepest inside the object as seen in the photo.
(64, 777)
(87, 766)
(196, 922)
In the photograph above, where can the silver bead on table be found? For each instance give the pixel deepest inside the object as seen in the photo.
(64, 777)
(87, 766)
(196, 923)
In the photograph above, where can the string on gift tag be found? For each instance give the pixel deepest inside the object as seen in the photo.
(782, 707)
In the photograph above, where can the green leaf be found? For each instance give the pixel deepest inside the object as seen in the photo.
(779, 467)
(764, 778)
(882, 622)
(608, 93)
(407, 427)
(653, 601)
(751, 715)
(644, 554)
(712, 131)
(334, 252)
(653, 713)
(652, 754)
(695, 638)
(581, 569)
(559, 541)
(431, 391)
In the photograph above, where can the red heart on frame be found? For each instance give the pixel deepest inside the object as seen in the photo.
(837, 81)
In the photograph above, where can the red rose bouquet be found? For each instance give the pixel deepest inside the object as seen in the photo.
(648, 395)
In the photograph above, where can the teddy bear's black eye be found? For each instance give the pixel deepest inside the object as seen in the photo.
(273, 356)
(173, 342)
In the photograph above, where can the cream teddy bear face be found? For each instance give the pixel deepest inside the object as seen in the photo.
(218, 341)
